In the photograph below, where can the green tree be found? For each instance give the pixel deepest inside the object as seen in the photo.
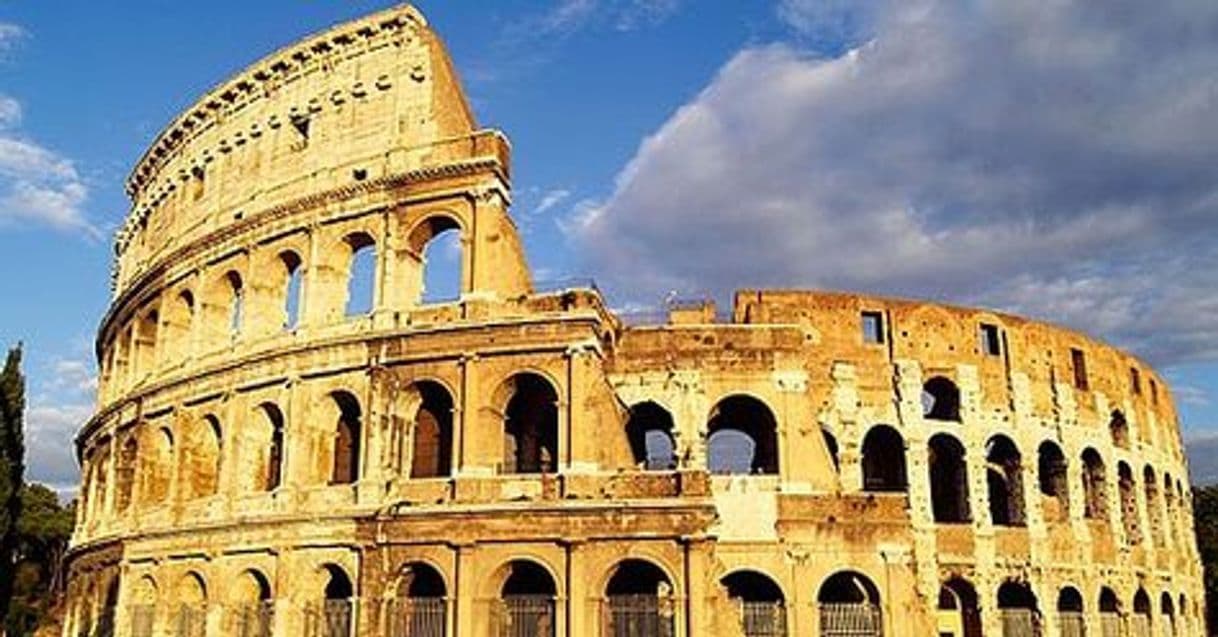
(12, 470)
(43, 532)
(1205, 516)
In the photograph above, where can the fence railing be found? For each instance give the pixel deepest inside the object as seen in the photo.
(523, 616)
(190, 621)
(1018, 622)
(1110, 625)
(1071, 624)
(143, 618)
(1139, 626)
(255, 620)
(331, 618)
(850, 620)
(416, 617)
(638, 616)
(763, 619)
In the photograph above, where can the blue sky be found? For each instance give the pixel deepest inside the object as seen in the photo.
(1058, 161)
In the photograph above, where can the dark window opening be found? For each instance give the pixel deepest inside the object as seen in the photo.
(991, 340)
(273, 471)
(884, 460)
(1004, 478)
(649, 431)
(431, 455)
(762, 606)
(873, 327)
(948, 480)
(1078, 361)
(1095, 488)
(1135, 380)
(1054, 483)
(531, 426)
(1119, 429)
(1129, 504)
(292, 289)
(346, 440)
(941, 399)
(419, 580)
(526, 602)
(958, 597)
(743, 437)
(831, 447)
(849, 605)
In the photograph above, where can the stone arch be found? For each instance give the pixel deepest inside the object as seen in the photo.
(203, 458)
(1110, 611)
(948, 480)
(348, 438)
(1054, 481)
(1127, 489)
(263, 470)
(191, 597)
(291, 288)
(742, 436)
(1071, 621)
(530, 425)
(1170, 526)
(157, 472)
(884, 460)
(234, 302)
(1167, 610)
(177, 327)
(526, 599)
(1095, 485)
(1004, 479)
(419, 605)
(759, 600)
(437, 278)
(360, 274)
(639, 600)
(958, 611)
(145, 336)
(849, 604)
(830, 441)
(142, 608)
(432, 436)
(649, 430)
(1118, 429)
(252, 604)
(1141, 621)
(125, 473)
(1017, 609)
(334, 614)
(941, 399)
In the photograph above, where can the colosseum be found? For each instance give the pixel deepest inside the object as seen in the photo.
(291, 439)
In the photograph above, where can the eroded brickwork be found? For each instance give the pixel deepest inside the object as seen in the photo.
(268, 457)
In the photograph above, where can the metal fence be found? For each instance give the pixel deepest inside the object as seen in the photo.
(1139, 626)
(190, 621)
(331, 618)
(143, 618)
(523, 616)
(1071, 624)
(850, 620)
(638, 616)
(1110, 625)
(416, 617)
(1018, 622)
(763, 619)
(255, 620)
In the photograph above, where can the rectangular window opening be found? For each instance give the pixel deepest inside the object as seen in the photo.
(1079, 361)
(1135, 379)
(991, 340)
(873, 327)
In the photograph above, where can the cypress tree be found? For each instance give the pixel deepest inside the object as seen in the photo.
(12, 469)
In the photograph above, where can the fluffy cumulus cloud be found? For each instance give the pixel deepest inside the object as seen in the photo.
(37, 184)
(1058, 159)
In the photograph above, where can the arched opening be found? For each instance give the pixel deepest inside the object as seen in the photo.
(958, 612)
(128, 458)
(347, 438)
(361, 275)
(1018, 610)
(1129, 503)
(1095, 486)
(948, 480)
(142, 610)
(179, 320)
(236, 303)
(254, 607)
(1154, 510)
(884, 460)
(1167, 609)
(1054, 484)
(940, 399)
(760, 601)
(1110, 613)
(432, 442)
(419, 608)
(1004, 478)
(191, 616)
(1169, 505)
(1070, 618)
(649, 431)
(334, 616)
(203, 467)
(267, 465)
(157, 472)
(106, 625)
(526, 601)
(1140, 622)
(831, 446)
(743, 437)
(639, 601)
(1119, 428)
(849, 604)
(531, 426)
(436, 242)
(293, 288)
(146, 343)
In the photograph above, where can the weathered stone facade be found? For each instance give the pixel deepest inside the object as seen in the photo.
(264, 460)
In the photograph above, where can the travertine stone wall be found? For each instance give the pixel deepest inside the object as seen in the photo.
(264, 459)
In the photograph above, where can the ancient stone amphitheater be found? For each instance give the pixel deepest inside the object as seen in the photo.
(291, 439)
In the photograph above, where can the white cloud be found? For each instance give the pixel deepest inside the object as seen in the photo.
(37, 184)
(49, 434)
(1058, 159)
(550, 199)
(10, 36)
